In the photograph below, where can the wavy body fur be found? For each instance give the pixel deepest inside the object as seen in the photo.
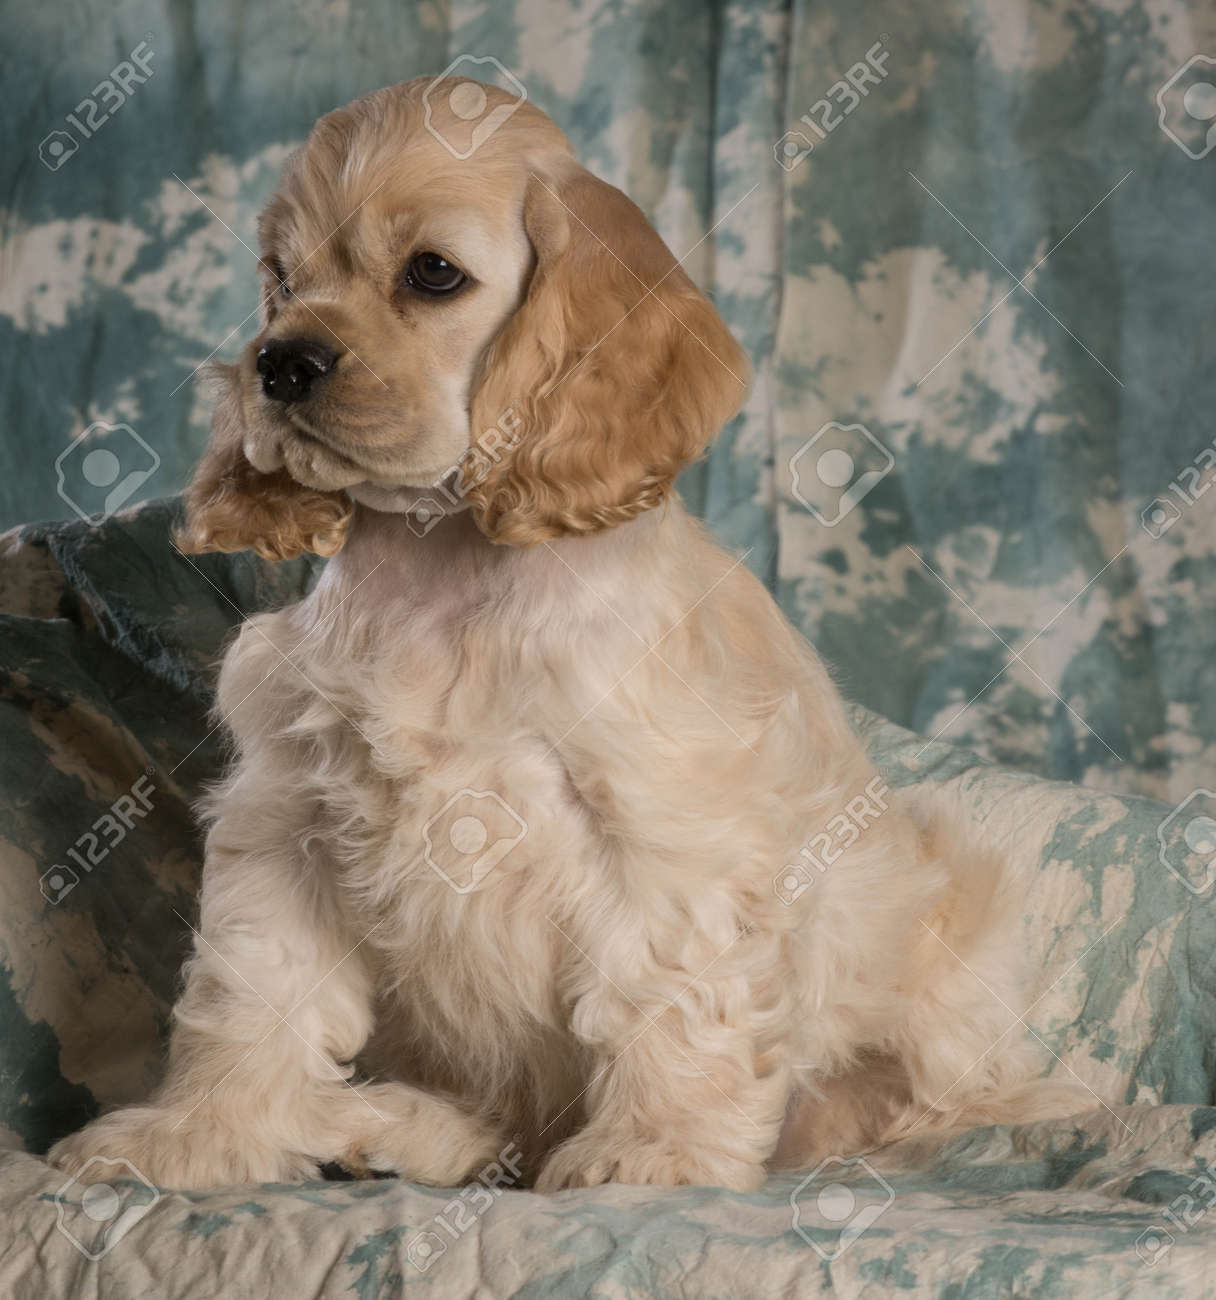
(625, 993)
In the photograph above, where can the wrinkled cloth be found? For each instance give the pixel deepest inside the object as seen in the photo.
(109, 642)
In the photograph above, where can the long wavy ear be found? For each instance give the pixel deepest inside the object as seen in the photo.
(230, 506)
(617, 369)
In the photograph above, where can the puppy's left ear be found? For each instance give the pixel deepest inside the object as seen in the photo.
(231, 506)
(617, 370)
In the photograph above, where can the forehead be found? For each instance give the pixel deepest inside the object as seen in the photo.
(376, 174)
(356, 212)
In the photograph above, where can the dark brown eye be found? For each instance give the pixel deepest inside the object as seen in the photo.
(275, 267)
(434, 274)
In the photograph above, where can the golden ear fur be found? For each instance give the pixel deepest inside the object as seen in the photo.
(617, 368)
(230, 506)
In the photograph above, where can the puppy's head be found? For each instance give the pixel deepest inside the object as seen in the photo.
(502, 323)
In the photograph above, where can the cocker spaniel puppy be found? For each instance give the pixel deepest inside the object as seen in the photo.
(544, 827)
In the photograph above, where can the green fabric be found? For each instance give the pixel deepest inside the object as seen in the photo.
(1021, 459)
(108, 645)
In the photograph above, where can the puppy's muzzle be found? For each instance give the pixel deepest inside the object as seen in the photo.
(292, 368)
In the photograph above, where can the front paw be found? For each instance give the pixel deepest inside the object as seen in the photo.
(589, 1159)
(426, 1139)
(168, 1149)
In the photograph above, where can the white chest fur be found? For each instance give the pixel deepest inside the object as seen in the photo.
(535, 780)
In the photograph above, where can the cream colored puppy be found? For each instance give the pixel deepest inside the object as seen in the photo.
(514, 846)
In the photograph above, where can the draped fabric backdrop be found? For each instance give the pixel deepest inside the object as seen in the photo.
(968, 246)
(971, 239)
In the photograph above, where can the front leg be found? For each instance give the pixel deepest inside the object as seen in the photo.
(277, 995)
(688, 1083)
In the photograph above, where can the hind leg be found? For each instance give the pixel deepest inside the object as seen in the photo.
(958, 1059)
(876, 1103)
(952, 1052)
(843, 1114)
(969, 1057)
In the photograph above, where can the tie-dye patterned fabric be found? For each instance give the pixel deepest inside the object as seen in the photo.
(108, 644)
(967, 244)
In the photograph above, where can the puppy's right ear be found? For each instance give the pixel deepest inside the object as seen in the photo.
(230, 506)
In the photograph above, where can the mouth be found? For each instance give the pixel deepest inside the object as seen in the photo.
(322, 458)
(311, 457)
(305, 431)
(312, 437)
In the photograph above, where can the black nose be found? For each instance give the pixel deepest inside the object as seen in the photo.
(290, 367)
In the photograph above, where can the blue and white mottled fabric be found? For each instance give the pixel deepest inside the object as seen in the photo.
(108, 644)
(968, 248)
(987, 261)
